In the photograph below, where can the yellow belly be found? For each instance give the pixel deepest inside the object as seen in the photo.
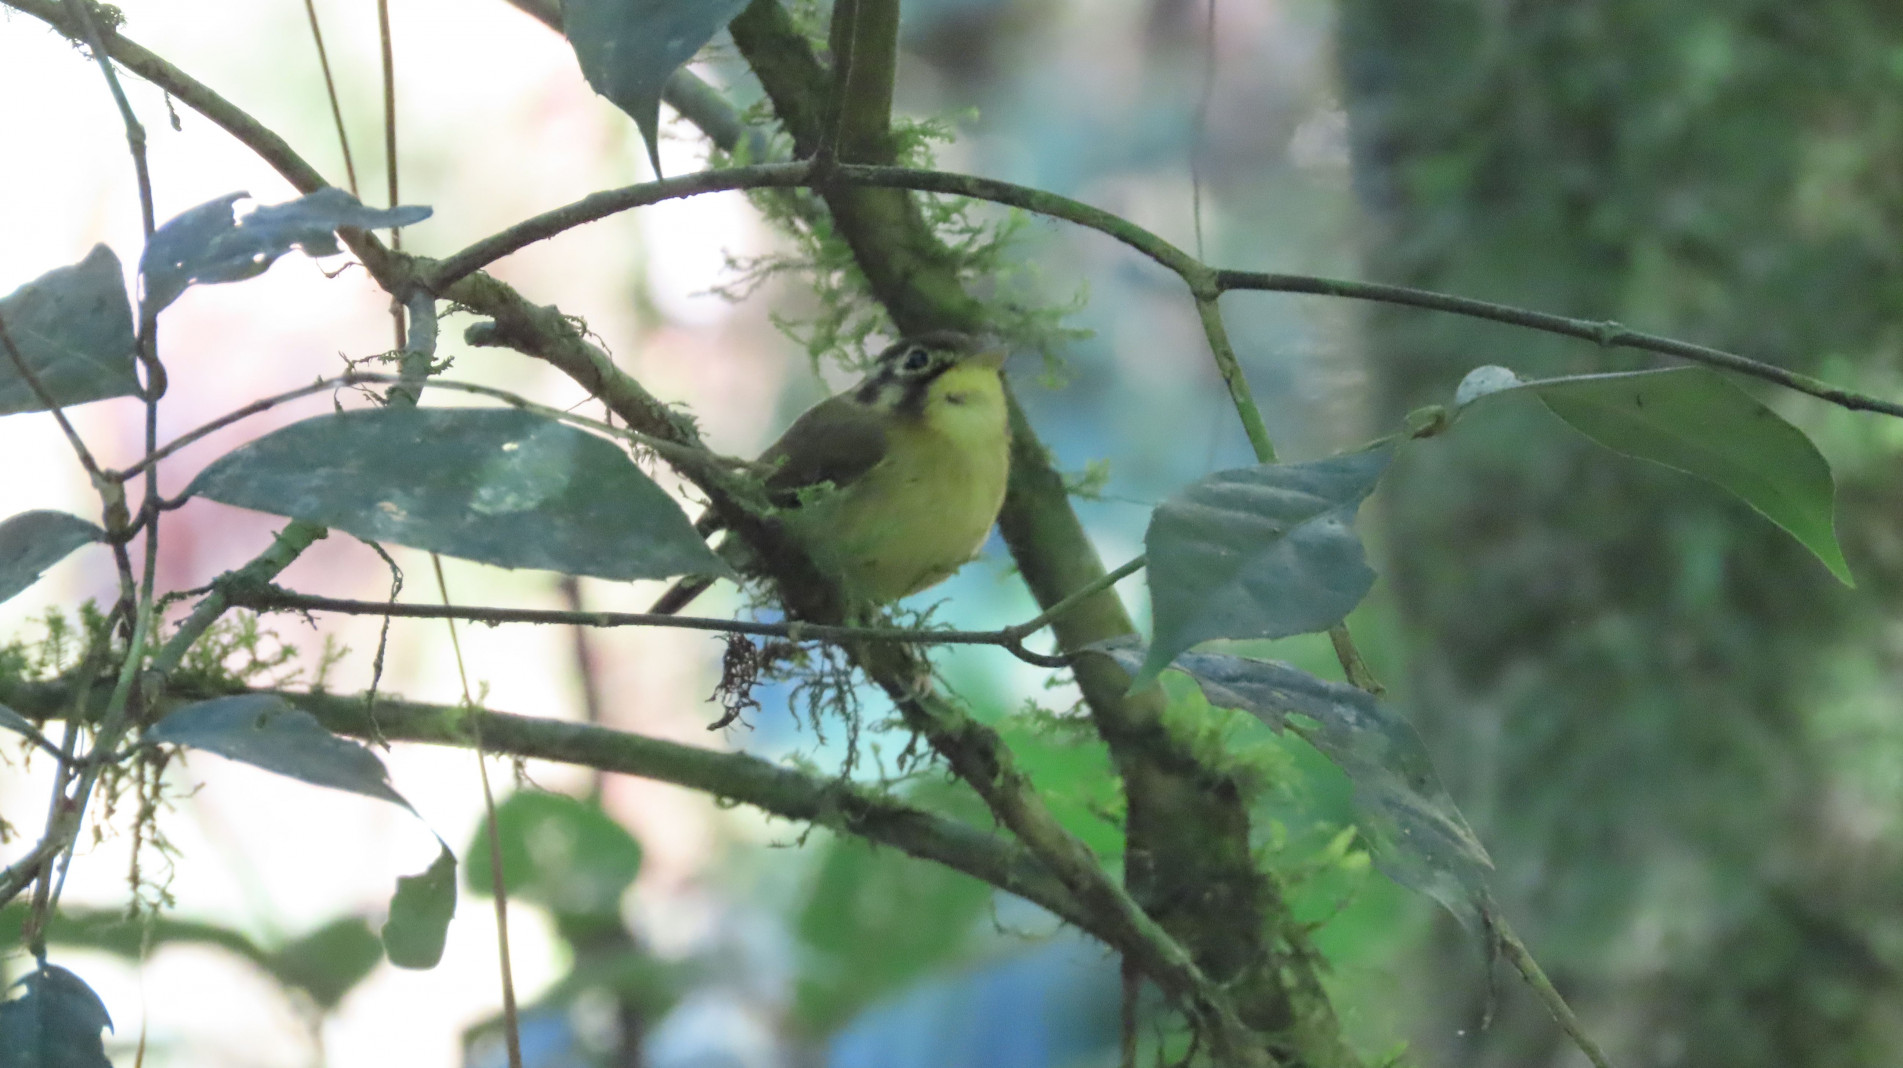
(914, 518)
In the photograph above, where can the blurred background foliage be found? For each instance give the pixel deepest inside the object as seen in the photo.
(1673, 731)
(1668, 724)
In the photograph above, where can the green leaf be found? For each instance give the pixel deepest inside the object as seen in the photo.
(209, 244)
(266, 731)
(561, 853)
(420, 913)
(1260, 552)
(73, 328)
(1693, 420)
(54, 1024)
(31, 542)
(330, 961)
(629, 48)
(496, 485)
(1415, 833)
(874, 921)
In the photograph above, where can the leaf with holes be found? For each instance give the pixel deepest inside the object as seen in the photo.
(628, 49)
(54, 1024)
(1260, 552)
(31, 542)
(420, 912)
(1692, 419)
(209, 243)
(1415, 833)
(73, 329)
(496, 485)
(267, 731)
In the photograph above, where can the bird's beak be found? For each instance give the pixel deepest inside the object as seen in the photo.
(992, 357)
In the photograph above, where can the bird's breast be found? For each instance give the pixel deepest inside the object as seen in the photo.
(917, 515)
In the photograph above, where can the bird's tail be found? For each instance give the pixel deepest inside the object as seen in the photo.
(685, 589)
(680, 595)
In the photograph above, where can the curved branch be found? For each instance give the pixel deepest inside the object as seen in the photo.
(1204, 281)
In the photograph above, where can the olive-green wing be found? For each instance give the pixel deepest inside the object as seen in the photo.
(836, 441)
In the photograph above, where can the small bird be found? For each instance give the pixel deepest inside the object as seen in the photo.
(894, 484)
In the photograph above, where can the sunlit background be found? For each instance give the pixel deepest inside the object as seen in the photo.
(1673, 734)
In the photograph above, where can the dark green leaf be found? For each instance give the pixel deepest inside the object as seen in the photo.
(73, 327)
(1260, 552)
(209, 244)
(563, 854)
(1415, 833)
(267, 731)
(497, 485)
(31, 542)
(629, 48)
(1693, 420)
(55, 1024)
(328, 962)
(420, 914)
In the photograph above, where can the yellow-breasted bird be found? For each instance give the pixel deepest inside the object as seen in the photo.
(916, 455)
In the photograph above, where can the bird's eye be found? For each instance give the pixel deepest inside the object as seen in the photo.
(916, 360)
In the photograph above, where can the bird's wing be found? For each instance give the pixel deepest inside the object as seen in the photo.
(836, 441)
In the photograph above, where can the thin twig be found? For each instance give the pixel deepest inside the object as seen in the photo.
(387, 49)
(1203, 280)
(1549, 996)
(1053, 613)
(135, 131)
(47, 401)
(1604, 333)
(685, 458)
(464, 262)
(266, 598)
(24, 871)
(1197, 145)
(330, 90)
(498, 886)
(1232, 377)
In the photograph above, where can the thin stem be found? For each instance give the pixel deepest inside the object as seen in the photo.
(330, 90)
(135, 131)
(266, 598)
(21, 873)
(387, 50)
(458, 265)
(118, 721)
(1202, 125)
(498, 886)
(284, 549)
(1232, 377)
(681, 456)
(1058, 610)
(46, 399)
(1543, 987)
(1603, 333)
